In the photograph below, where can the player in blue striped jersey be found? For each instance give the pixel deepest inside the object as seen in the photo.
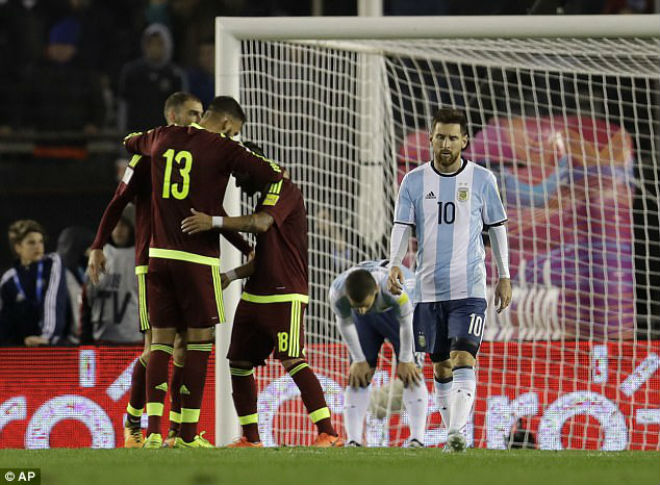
(367, 314)
(449, 201)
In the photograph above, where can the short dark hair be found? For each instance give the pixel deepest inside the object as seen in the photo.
(359, 284)
(19, 230)
(243, 180)
(450, 116)
(227, 105)
(176, 100)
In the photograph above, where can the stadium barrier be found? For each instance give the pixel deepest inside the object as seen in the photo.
(579, 396)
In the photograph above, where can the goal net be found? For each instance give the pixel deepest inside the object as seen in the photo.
(570, 128)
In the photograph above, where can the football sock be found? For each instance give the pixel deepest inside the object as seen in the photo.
(192, 388)
(138, 395)
(244, 393)
(416, 401)
(312, 396)
(157, 370)
(462, 397)
(356, 402)
(443, 398)
(175, 397)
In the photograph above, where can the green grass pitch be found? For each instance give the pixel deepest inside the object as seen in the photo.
(309, 466)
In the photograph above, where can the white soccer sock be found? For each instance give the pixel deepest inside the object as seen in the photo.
(443, 399)
(356, 402)
(462, 397)
(416, 401)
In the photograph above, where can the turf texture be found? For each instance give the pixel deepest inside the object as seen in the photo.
(309, 466)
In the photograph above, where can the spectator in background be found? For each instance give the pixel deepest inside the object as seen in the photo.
(105, 44)
(73, 247)
(110, 309)
(33, 294)
(194, 20)
(26, 23)
(59, 94)
(98, 47)
(145, 83)
(158, 12)
(201, 80)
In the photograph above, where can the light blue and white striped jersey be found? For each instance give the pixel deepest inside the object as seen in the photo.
(401, 304)
(449, 212)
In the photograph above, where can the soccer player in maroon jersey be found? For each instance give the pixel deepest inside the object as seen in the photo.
(180, 109)
(270, 314)
(190, 167)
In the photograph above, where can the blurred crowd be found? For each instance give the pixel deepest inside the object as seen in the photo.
(71, 65)
(47, 299)
(92, 65)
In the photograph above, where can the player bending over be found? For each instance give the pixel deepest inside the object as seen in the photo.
(367, 314)
(270, 314)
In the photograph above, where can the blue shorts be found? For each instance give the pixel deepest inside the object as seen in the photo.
(372, 330)
(436, 324)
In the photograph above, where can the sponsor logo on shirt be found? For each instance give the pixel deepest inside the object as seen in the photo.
(430, 196)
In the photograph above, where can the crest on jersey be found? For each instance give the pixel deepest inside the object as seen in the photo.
(462, 194)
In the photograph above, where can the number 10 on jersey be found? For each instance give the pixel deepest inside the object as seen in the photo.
(446, 212)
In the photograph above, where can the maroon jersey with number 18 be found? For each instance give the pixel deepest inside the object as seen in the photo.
(281, 251)
(190, 168)
(272, 308)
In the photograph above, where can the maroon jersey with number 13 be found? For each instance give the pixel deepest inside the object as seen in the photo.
(190, 168)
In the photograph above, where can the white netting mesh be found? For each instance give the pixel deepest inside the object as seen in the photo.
(570, 127)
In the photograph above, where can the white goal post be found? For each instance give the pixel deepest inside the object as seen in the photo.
(581, 92)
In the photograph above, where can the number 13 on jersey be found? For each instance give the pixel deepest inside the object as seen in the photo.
(184, 161)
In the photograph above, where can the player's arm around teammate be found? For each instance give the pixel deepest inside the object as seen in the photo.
(200, 222)
(269, 319)
(256, 223)
(180, 108)
(184, 284)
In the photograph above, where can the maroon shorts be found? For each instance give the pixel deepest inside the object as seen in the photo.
(261, 327)
(183, 295)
